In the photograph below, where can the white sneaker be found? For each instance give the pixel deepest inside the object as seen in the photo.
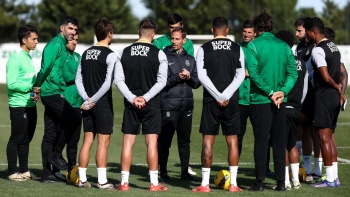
(30, 175)
(190, 171)
(16, 177)
(288, 186)
(309, 178)
(296, 185)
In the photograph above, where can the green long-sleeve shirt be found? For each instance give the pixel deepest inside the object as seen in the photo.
(53, 60)
(69, 73)
(271, 66)
(20, 77)
(165, 41)
(244, 88)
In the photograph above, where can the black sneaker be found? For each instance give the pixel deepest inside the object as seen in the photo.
(50, 179)
(187, 176)
(59, 163)
(59, 176)
(165, 177)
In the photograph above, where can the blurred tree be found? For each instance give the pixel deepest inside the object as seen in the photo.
(50, 13)
(13, 13)
(304, 12)
(335, 18)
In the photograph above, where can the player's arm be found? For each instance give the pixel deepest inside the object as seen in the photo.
(319, 58)
(253, 69)
(119, 81)
(193, 82)
(110, 61)
(305, 87)
(79, 83)
(49, 56)
(291, 75)
(343, 78)
(237, 80)
(161, 77)
(12, 74)
(203, 77)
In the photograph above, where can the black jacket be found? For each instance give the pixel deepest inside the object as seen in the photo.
(177, 94)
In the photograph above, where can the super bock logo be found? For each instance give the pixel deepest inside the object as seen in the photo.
(221, 45)
(92, 54)
(187, 62)
(139, 50)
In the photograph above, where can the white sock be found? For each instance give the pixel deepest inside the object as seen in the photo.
(233, 175)
(153, 175)
(299, 145)
(102, 175)
(205, 176)
(318, 166)
(307, 164)
(295, 171)
(82, 174)
(125, 177)
(286, 177)
(329, 173)
(335, 169)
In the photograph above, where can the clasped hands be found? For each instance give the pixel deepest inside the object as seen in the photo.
(277, 98)
(139, 102)
(185, 74)
(87, 105)
(36, 92)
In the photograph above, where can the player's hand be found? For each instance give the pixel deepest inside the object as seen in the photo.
(277, 98)
(339, 86)
(220, 103)
(246, 73)
(91, 105)
(37, 90)
(35, 97)
(225, 103)
(139, 102)
(186, 73)
(342, 99)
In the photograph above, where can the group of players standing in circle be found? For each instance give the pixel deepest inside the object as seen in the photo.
(277, 90)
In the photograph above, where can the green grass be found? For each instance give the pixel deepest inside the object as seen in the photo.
(139, 180)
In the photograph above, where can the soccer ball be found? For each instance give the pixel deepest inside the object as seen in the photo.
(73, 176)
(222, 179)
(302, 174)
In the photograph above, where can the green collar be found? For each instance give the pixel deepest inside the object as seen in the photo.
(62, 38)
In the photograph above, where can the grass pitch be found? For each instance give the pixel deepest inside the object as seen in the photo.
(139, 179)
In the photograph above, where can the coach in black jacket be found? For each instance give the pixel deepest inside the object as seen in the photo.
(177, 104)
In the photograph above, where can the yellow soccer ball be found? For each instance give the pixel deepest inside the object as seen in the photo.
(73, 176)
(302, 174)
(222, 179)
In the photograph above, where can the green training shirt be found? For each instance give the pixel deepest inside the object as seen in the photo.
(53, 60)
(244, 88)
(20, 78)
(69, 73)
(165, 41)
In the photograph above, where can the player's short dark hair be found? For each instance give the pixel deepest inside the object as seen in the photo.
(220, 22)
(25, 31)
(286, 36)
(69, 19)
(181, 30)
(314, 23)
(147, 24)
(174, 18)
(247, 24)
(263, 22)
(102, 27)
(329, 33)
(301, 21)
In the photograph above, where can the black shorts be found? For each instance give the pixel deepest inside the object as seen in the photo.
(98, 120)
(309, 103)
(326, 111)
(292, 124)
(150, 117)
(213, 115)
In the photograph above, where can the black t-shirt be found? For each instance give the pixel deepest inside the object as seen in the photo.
(297, 93)
(304, 50)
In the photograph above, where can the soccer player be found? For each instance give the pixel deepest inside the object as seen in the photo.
(20, 78)
(71, 134)
(244, 90)
(177, 104)
(149, 65)
(325, 59)
(221, 70)
(174, 20)
(52, 85)
(93, 80)
(293, 110)
(306, 137)
(272, 70)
